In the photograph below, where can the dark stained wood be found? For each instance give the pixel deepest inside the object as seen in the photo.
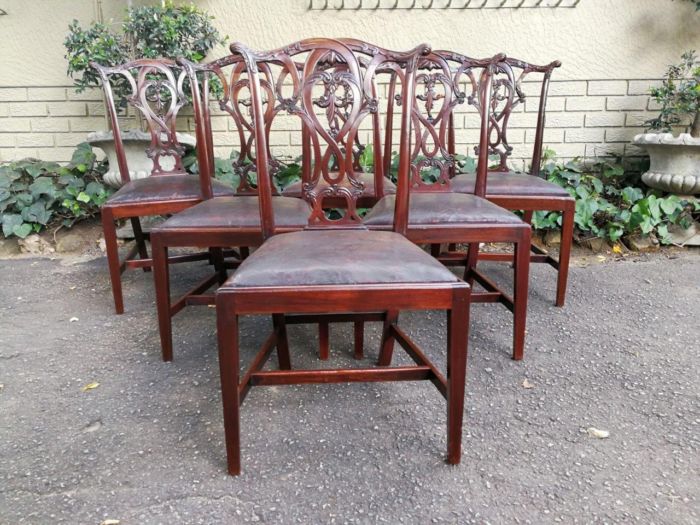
(156, 95)
(445, 81)
(342, 375)
(307, 64)
(420, 358)
(507, 96)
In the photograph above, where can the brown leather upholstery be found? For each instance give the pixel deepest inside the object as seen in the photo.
(510, 184)
(239, 212)
(441, 208)
(164, 188)
(338, 257)
(294, 190)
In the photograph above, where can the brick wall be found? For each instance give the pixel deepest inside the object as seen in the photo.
(588, 118)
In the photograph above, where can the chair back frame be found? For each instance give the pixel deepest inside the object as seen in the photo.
(307, 65)
(507, 95)
(433, 116)
(156, 93)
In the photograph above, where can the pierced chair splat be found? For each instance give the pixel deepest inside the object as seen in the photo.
(529, 192)
(335, 266)
(156, 94)
(220, 222)
(438, 215)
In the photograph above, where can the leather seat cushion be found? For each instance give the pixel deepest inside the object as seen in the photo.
(509, 184)
(240, 212)
(164, 188)
(441, 208)
(294, 190)
(338, 257)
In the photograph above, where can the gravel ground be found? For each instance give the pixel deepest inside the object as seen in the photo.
(146, 444)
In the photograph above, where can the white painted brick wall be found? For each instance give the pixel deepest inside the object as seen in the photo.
(584, 119)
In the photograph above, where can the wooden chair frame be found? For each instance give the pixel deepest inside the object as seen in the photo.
(314, 302)
(474, 233)
(498, 144)
(220, 237)
(160, 114)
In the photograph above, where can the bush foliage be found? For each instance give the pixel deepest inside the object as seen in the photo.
(35, 194)
(610, 204)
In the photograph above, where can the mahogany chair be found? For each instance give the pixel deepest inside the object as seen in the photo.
(219, 222)
(438, 215)
(523, 191)
(334, 268)
(155, 93)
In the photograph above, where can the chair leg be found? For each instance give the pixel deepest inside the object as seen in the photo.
(435, 250)
(567, 234)
(521, 275)
(282, 343)
(457, 335)
(244, 251)
(527, 216)
(387, 348)
(110, 232)
(140, 240)
(359, 339)
(217, 257)
(323, 340)
(161, 280)
(470, 264)
(227, 329)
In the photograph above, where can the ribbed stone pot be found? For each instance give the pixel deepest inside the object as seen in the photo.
(675, 162)
(135, 144)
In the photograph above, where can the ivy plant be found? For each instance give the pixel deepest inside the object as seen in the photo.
(608, 203)
(35, 194)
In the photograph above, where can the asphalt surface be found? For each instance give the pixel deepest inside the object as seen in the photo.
(146, 444)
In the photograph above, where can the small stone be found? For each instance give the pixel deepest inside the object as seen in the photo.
(35, 245)
(71, 241)
(642, 243)
(9, 247)
(597, 433)
(595, 244)
(552, 238)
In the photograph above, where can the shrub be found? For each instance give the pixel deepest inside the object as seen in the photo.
(610, 205)
(679, 97)
(35, 194)
(162, 31)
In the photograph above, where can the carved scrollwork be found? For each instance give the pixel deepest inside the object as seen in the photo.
(156, 92)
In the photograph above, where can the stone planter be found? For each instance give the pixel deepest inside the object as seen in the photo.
(675, 162)
(135, 144)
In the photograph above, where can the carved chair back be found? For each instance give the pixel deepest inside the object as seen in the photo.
(224, 83)
(306, 78)
(337, 113)
(445, 81)
(155, 94)
(508, 96)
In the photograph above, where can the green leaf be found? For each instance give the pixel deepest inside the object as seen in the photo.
(37, 212)
(83, 197)
(22, 230)
(43, 186)
(597, 184)
(9, 222)
(630, 195)
(670, 204)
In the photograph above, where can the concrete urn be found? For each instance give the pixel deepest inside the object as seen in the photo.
(675, 162)
(135, 144)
